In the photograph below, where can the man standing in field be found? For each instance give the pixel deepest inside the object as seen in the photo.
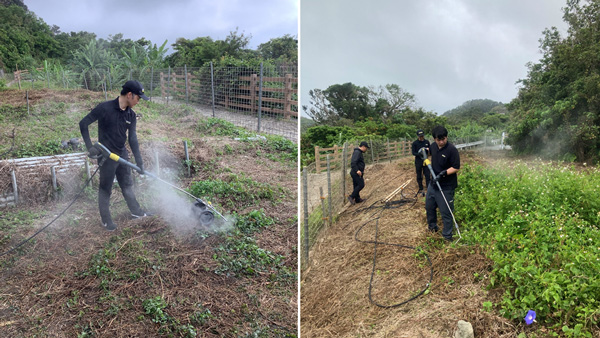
(419, 143)
(445, 162)
(116, 123)
(357, 171)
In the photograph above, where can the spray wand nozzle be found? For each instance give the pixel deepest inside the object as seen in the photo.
(108, 154)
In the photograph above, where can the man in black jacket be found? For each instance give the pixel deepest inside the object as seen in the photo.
(116, 123)
(357, 171)
(445, 162)
(419, 143)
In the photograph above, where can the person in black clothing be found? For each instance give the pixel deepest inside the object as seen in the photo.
(421, 142)
(445, 162)
(357, 172)
(116, 123)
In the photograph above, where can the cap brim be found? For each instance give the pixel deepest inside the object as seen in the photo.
(144, 97)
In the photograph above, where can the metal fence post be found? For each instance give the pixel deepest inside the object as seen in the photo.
(151, 81)
(27, 97)
(87, 168)
(344, 159)
(372, 151)
(260, 86)
(323, 206)
(187, 157)
(329, 190)
(389, 151)
(54, 183)
(15, 188)
(212, 87)
(305, 200)
(168, 84)
(156, 160)
(186, 83)
(85, 81)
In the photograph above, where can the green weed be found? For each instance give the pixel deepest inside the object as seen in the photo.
(237, 188)
(540, 227)
(219, 127)
(240, 255)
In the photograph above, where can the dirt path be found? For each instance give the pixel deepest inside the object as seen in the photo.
(334, 290)
(276, 126)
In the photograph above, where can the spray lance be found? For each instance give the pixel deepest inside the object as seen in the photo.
(423, 154)
(206, 216)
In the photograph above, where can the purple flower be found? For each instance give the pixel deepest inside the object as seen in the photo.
(530, 317)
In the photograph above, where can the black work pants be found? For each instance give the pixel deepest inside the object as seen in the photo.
(359, 183)
(108, 171)
(422, 170)
(435, 200)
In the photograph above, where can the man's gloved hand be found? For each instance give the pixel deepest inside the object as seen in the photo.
(439, 176)
(94, 153)
(142, 172)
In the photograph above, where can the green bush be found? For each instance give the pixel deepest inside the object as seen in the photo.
(539, 224)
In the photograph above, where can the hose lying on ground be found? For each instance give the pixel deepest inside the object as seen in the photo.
(390, 205)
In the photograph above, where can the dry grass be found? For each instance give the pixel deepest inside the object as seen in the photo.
(334, 289)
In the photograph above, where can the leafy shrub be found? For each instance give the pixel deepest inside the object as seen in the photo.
(539, 224)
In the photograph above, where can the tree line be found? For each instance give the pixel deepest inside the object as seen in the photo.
(347, 112)
(27, 42)
(556, 113)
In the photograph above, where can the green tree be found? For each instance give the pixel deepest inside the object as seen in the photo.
(91, 62)
(283, 48)
(339, 101)
(201, 50)
(558, 103)
(24, 38)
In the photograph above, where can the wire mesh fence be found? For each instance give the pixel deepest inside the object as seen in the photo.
(326, 183)
(262, 98)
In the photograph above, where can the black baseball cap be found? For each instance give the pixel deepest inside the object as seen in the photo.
(363, 143)
(136, 88)
(420, 132)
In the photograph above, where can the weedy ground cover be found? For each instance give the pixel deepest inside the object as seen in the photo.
(539, 224)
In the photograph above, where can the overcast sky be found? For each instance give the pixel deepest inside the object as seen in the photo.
(159, 20)
(445, 52)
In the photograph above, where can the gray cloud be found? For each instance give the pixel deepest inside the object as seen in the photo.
(445, 52)
(157, 20)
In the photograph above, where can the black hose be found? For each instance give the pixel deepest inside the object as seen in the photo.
(58, 216)
(390, 205)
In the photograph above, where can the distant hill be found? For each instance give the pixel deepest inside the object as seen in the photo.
(474, 110)
(306, 123)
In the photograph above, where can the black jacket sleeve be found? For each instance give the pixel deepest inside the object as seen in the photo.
(133, 142)
(83, 127)
(415, 151)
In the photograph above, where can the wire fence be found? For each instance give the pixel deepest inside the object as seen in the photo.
(262, 98)
(325, 184)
